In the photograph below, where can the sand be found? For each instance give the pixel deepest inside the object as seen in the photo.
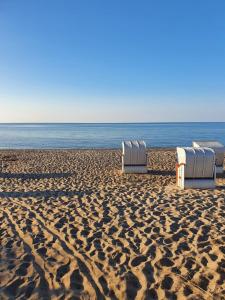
(73, 227)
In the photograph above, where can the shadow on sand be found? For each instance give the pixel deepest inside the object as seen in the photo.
(220, 175)
(26, 176)
(46, 193)
(161, 172)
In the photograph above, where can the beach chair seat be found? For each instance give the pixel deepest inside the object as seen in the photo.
(219, 150)
(195, 168)
(134, 157)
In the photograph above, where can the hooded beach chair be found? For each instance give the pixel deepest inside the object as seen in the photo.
(219, 150)
(195, 168)
(134, 157)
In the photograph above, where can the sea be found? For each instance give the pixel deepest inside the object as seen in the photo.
(106, 135)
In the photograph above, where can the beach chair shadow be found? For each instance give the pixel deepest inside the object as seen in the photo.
(34, 175)
(221, 176)
(161, 172)
(45, 193)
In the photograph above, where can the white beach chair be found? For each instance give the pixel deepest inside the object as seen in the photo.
(134, 157)
(219, 150)
(196, 168)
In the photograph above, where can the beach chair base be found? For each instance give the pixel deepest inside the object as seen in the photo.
(134, 169)
(219, 170)
(193, 183)
(198, 184)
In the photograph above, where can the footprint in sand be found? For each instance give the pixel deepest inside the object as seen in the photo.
(76, 281)
(133, 285)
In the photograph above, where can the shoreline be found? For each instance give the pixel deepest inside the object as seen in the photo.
(85, 149)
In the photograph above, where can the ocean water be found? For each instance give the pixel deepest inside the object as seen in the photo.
(85, 136)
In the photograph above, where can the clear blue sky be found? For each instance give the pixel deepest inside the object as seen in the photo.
(110, 61)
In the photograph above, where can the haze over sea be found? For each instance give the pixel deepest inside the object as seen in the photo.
(106, 135)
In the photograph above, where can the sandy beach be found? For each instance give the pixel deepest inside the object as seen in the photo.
(73, 227)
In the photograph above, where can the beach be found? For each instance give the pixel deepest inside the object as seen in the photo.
(73, 227)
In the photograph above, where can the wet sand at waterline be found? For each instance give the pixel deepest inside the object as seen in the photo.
(73, 227)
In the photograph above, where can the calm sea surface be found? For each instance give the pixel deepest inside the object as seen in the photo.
(50, 136)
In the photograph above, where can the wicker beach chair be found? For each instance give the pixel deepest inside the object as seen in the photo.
(195, 168)
(134, 157)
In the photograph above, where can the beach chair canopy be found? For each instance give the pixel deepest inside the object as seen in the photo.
(199, 162)
(216, 146)
(134, 153)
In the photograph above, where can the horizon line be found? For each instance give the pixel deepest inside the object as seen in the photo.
(149, 122)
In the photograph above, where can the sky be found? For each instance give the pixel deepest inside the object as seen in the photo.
(112, 61)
